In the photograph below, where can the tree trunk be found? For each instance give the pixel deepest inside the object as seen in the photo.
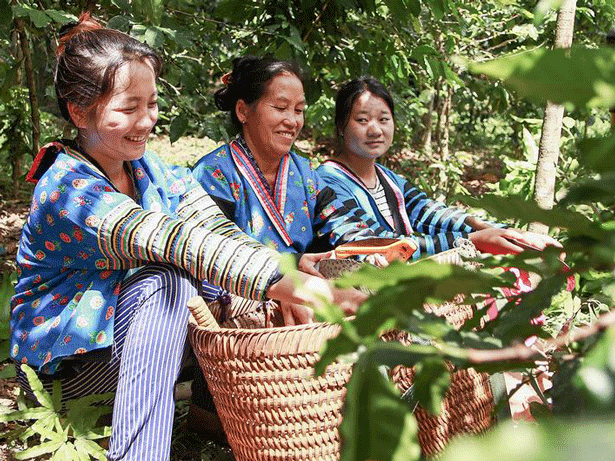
(444, 138)
(428, 124)
(34, 110)
(548, 150)
(440, 106)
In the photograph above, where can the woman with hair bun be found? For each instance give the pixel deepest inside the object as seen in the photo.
(269, 191)
(116, 243)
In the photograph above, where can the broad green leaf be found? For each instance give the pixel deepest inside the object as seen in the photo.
(401, 9)
(592, 191)
(543, 7)
(26, 414)
(583, 77)
(120, 22)
(431, 381)
(526, 211)
(598, 153)
(377, 424)
(342, 345)
(56, 395)
(552, 440)
(39, 18)
(67, 451)
(94, 450)
(41, 394)
(39, 450)
(178, 127)
(60, 17)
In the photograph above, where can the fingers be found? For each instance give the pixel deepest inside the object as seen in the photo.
(289, 320)
(296, 314)
(377, 260)
(308, 261)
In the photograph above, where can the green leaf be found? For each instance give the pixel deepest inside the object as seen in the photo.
(27, 414)
(583, 77)
(598, 153)
(56, 395)
(377, 424)
(39, 450)
(551, 440)
(120, 22)
(6, 17)
(8, 371)
(431, 381)
(60, 17)
(526, 211)
(592, 191)
(41, 394)
(39, 18)
(92, 448)
(543, 7)
(178, 127)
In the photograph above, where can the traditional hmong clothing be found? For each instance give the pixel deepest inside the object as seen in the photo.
(434, 226)
(298, 214)
(82, 237)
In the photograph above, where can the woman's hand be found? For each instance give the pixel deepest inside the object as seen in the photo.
(307, 262)
(296, 314)
(504, 241)
(311, 291)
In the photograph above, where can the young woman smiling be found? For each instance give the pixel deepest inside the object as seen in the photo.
(365, 124)
(116, 243)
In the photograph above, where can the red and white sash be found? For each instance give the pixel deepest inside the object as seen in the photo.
(273, 206)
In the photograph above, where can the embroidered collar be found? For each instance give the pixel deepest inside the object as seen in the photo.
(400, 203)
(272, 201)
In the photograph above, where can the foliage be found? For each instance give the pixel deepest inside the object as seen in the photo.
(6, 292)
(401, 291)
(62, 433)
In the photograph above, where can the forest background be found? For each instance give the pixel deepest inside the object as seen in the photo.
(471, 79)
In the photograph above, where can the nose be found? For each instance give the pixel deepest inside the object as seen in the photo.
(293, 119)
(147, 119)
(374, 129)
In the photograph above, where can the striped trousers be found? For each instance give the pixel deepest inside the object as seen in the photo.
(150, 334)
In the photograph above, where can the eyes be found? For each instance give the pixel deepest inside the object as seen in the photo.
(364, 120)
(130, 109)
(298, 110)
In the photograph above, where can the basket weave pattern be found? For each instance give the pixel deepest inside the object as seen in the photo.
(467, 406)
(271, 405)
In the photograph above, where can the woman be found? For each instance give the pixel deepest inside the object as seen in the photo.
(269, 191)
(116, 243)
(365, 123)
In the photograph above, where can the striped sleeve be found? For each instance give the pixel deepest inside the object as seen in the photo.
(430, 217)
(109, 231)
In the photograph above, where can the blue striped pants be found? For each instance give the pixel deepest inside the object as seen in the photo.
(150, 334)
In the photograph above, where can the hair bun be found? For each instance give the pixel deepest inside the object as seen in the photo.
(68, 31)
(223, 99)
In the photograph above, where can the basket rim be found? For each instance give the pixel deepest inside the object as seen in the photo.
(286, 328)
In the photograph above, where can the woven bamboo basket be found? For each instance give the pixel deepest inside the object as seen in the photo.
(467, 407)
(271, 405)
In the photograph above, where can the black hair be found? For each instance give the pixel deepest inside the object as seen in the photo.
(249, 80)
(88, 57)
(348, 94)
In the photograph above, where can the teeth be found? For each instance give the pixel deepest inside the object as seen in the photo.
(136, 138)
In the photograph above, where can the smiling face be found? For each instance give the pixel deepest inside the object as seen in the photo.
(370, 127)
(117, 129)
(272, 123)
